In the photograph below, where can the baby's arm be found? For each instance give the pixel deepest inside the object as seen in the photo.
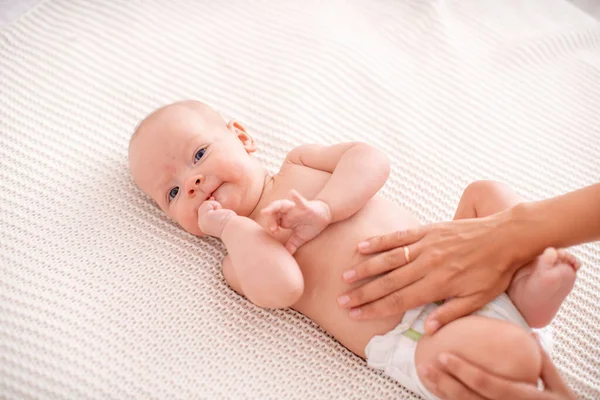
(358, 172)
(260, 267)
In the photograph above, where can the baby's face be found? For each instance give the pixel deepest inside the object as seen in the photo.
(185, 153)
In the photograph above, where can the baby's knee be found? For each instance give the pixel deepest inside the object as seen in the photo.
(514, 353)
(485, 188)
(497, 346)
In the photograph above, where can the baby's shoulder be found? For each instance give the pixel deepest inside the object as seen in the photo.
(293, 172)
(301, 177)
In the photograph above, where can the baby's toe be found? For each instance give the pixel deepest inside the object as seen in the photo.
(568, 258)
(549, 257)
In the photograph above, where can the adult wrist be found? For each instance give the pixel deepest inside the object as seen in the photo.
(522, 230)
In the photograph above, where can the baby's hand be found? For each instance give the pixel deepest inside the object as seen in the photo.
(305, 218)
(212, 218)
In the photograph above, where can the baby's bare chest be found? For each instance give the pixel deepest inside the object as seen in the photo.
(324, 258)
(307, 181)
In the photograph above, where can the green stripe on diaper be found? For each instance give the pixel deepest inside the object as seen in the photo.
(412, 334)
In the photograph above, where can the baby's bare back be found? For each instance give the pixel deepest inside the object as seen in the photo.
(324, 259)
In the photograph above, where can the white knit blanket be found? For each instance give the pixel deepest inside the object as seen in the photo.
(102, 297)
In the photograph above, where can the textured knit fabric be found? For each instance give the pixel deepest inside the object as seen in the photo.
(101, 296)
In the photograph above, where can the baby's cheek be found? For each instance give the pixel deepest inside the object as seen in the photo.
(188, 220)
(234, 169)
(192, 227)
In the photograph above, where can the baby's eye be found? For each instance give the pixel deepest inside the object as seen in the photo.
(199, 155)
(173, 192)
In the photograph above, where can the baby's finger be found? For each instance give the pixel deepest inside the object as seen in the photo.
(298, 199)
(270, 221)
(208, 205)
(279, 206)
(273, 213)
(293, 243)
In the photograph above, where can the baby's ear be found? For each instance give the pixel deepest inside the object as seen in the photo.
(244, 137)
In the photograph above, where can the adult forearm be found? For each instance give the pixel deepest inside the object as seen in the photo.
(360, 173)
(268, 274)
(562, 221)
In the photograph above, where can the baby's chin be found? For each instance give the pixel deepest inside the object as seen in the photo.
(193, 229)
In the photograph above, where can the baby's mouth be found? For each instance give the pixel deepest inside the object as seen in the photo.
(212, 194)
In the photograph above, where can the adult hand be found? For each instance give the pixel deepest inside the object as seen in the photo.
(468, 261)
(454, 378)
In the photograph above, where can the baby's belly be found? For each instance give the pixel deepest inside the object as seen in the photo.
(324, 260)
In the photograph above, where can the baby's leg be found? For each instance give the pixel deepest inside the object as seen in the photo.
(499, 347)
(483, 198)
(539, 288)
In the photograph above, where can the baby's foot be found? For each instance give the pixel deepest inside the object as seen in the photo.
(539, 289)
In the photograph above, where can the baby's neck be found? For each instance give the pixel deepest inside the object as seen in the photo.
(267, 181)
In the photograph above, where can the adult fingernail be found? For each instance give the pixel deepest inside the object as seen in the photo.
(349, 274)
(363, 245)
(423, 371)
(343, 300)
(355, 312)
(443, 359)
(433, 326)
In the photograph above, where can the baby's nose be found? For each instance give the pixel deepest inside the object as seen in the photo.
(193, 185)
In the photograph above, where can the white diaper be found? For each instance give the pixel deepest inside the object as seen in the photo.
(394, 352)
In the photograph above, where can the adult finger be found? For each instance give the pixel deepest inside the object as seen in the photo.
(454, 308)
(380, 263)
(389, 241)
(486, 384)
(444, 385)
(552, 380)
(398, 302)
(383, 285)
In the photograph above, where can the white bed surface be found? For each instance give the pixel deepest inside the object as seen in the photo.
(102, 297)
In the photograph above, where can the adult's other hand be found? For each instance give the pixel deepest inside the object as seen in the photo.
(454, 378)
(464, 261)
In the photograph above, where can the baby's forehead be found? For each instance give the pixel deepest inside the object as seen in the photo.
(177, 123)
(171, 125)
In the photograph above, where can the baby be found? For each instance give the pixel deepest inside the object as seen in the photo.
(291, 236)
